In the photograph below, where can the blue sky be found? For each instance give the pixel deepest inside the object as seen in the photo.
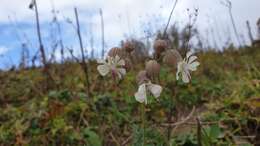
(123, 19)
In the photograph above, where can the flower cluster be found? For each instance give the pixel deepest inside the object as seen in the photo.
(184, 66)
(116, 66)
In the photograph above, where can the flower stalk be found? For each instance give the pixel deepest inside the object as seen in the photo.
(143, 123)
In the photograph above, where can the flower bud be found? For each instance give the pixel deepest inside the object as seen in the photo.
(115, 51)
(159, 47)
(152, 68)
(172, 57)
(128, 46)
(142, 77)
(128, 64)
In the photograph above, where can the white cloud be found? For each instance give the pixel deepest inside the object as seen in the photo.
(3, 50)
(125, 16)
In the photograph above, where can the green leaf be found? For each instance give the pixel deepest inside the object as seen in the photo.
(214, 131)
(92, 138)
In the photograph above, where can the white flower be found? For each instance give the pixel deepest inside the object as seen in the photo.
(141, 96)
(185, 66)
(113, 65)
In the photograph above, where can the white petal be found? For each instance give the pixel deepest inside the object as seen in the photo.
(103, 69)
(101, 61)
(110, 60)
(193, 66)
(192, 58)
(178, 70)
(140, 95)
(121, 62)
(155, 90)
(185, 76)
(119, 75)
(122, 71)
(189, 54)
(177, 75)
(117, 59)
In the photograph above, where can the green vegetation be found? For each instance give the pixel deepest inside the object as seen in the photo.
(224, 91)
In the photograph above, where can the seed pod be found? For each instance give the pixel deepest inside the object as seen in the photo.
(129, 46)
(128, 64)
(152, 68)
(142, 77)
(172, 57)
(159, 47)
(115, 51)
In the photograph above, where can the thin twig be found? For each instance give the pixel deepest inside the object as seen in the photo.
(43, 56)
(127, 140)
(195, 123)
(72, 55)
(114, 139)
(192, 21)
(228, 4)
(185, 120)
(59, 31)
(249, 32)
(169, 19)
(84, 64)
(190, 123)
(182, 121)
(39, 35)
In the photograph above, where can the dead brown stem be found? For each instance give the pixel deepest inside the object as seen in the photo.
(83, 62)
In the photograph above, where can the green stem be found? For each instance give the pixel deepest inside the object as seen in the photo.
(143, 123)
(169, 130)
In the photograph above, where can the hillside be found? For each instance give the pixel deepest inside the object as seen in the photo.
(221, 105)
